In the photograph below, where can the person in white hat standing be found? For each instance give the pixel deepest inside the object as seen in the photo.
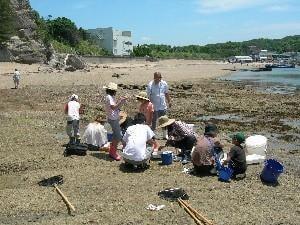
(112, 107)
(72, 109)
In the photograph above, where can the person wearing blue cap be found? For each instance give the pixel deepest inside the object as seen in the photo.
(237, 156)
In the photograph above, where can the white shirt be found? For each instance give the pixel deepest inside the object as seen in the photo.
(17, 75)
(95, 134)
(73, 110)
(111, 114)
(135, 138)
(157, 94)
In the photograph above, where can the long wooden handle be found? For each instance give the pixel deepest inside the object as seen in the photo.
(64, 198)
(199, 215)
(189, 212)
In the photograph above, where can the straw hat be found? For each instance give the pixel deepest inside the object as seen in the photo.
(142, 95)
(123, 116)
(111, 86)
(164, 121)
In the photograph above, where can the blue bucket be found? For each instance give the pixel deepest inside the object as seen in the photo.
(109, 137)
(271, 171)
(167, 157)
(225, 173)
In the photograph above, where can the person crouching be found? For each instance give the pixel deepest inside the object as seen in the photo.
(135, 140)
(95, 135)
(237, 157)
(180, 135)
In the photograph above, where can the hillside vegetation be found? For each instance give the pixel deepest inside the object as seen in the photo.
(220, 50)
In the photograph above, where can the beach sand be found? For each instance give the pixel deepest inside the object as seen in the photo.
(105, 192)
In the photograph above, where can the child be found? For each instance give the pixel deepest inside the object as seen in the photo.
(112, 107)
(72, 109)
(95, 134)
(237, 157)
(146, 107)
(16, 78)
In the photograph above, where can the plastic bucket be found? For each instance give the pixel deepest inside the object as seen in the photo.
(271, 171)
(109, 137)
(225, 173)
(167, 157)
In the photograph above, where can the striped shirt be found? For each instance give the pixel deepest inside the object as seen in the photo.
(179, 130)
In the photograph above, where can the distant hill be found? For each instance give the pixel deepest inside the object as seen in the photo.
(219, 50)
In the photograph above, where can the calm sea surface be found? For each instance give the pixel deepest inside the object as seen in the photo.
(278, 80)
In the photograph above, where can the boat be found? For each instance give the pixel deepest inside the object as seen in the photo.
(281, 66)
(262, 69)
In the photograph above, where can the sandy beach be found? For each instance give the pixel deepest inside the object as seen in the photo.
(103, 191)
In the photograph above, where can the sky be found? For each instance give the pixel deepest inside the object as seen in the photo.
(181, 22)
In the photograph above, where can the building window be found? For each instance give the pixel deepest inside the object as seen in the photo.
(115, 51)
(115, 43)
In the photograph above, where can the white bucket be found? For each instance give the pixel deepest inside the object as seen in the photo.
(256, 144)
(191, 125)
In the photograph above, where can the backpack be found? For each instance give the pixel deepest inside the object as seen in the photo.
(76, 149)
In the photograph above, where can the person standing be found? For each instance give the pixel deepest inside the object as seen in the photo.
(158, 93)
(146, 107)
(112, 107)
(16, 78)
(72, 109)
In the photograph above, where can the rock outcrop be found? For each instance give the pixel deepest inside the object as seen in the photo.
(25, 47)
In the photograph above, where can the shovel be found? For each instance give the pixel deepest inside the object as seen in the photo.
(179, 195)
(54, 181)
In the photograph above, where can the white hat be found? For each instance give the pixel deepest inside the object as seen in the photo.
(73, 96)
(111, 86)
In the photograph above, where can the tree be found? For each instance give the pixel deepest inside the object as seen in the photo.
(64, 30)
(6, 21)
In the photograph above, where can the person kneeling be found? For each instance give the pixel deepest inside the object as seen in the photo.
(135, 140)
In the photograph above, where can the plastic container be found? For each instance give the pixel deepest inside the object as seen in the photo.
(256, 144)
(271, 171)
(191, 125)
(225, 174)
(167, 157)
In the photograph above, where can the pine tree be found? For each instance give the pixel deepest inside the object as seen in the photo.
(6, 21)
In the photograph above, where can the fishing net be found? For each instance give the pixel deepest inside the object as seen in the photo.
(172, 194)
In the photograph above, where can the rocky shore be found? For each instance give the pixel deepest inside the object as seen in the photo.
(103, 191)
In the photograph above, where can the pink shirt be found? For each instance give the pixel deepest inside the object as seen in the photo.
(111, 114)
(147, 109)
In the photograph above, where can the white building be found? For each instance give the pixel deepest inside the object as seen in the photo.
(240, 58)
(118, 43)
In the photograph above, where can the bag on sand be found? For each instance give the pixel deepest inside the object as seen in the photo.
(76, 149)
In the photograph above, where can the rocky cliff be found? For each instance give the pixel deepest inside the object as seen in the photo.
(25, 47)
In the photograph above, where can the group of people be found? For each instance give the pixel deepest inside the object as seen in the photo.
(138, 135)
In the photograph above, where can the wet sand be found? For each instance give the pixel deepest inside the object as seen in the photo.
(103, 191)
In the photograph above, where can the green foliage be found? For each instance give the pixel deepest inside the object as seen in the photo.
(86, 48)
(6, 21)
(219, 50)
(63, 30)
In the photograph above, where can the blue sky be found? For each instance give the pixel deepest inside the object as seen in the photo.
(182, 22)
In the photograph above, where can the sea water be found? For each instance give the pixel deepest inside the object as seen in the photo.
(279, 80)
